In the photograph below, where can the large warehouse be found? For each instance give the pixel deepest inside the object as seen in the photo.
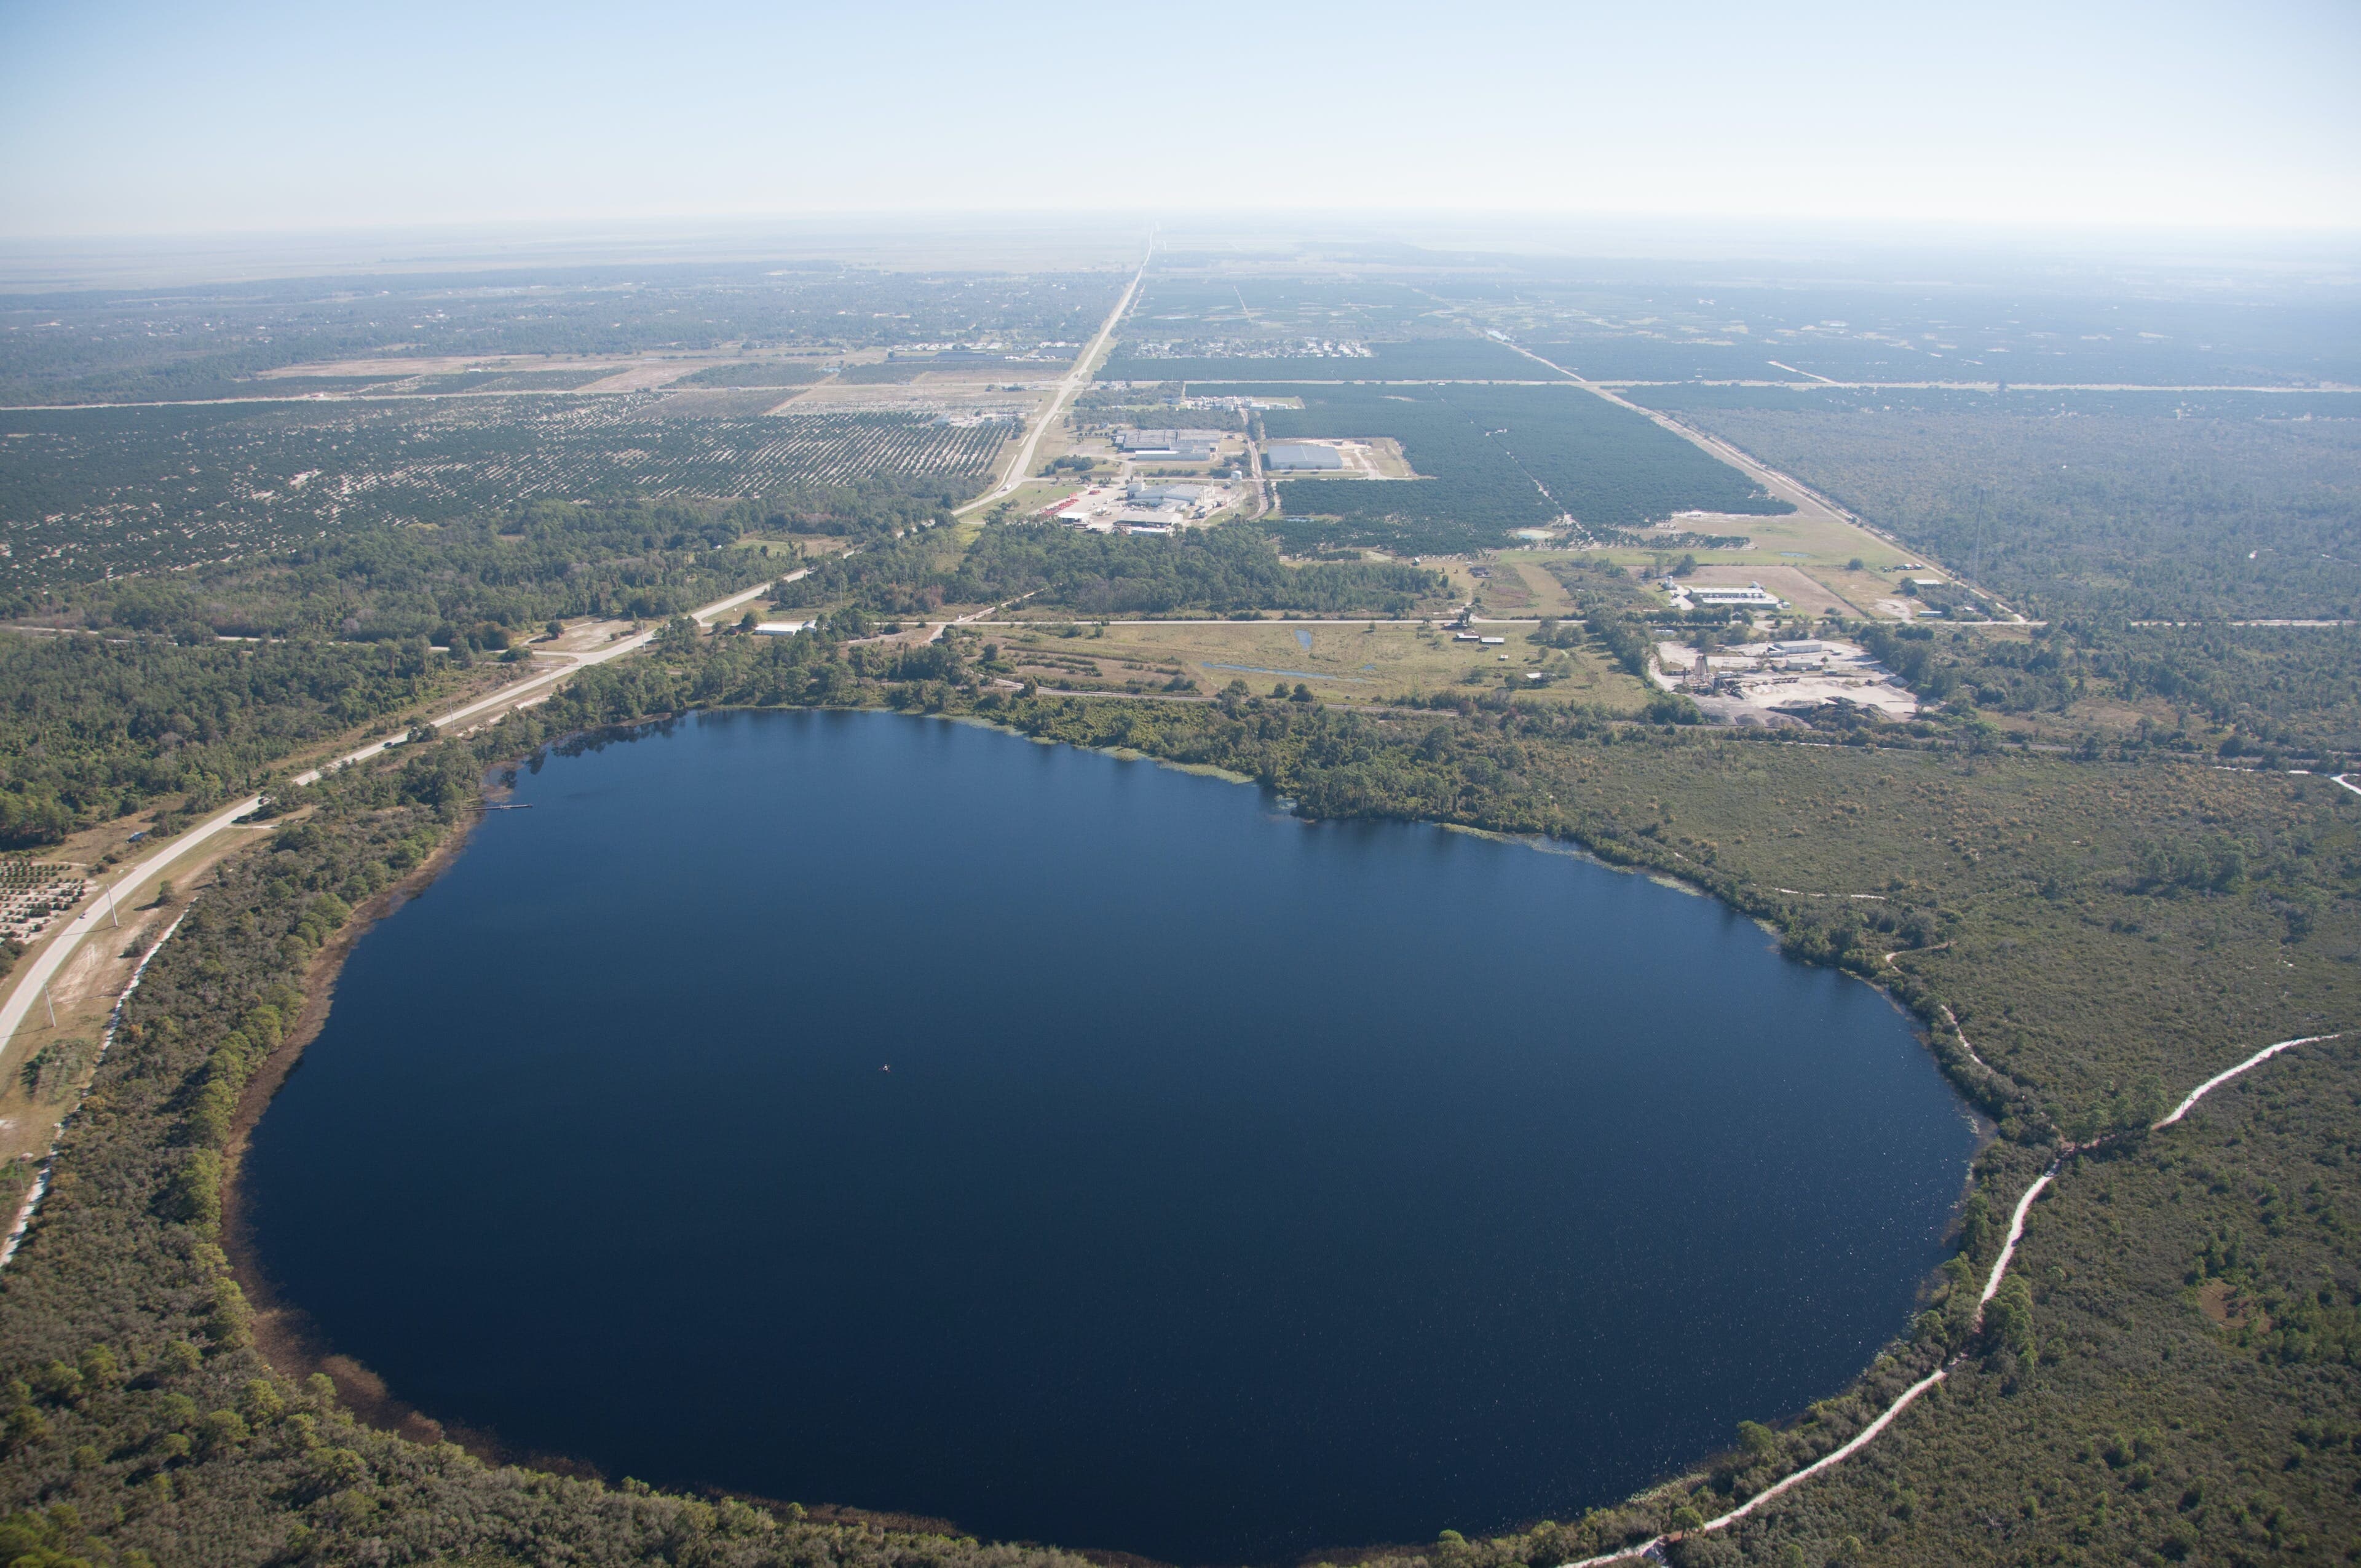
(1284, 455)
(1194, 444)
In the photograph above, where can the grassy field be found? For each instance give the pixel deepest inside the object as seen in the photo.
(1514, 583)
(1345, 662)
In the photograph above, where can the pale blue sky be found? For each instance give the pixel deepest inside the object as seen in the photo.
(124, 116)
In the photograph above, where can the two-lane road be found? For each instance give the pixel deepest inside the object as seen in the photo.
(37, 970)
(1074, 381)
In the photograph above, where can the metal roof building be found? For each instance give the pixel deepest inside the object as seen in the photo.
(1173, 442)
(1164, 495)
(1753, 596)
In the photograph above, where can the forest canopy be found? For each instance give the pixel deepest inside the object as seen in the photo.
(93, 730)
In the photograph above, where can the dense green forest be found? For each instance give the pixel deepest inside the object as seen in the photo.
(154, 709)
(94, 728)
(1216, 571)
(2270, 692)
(2145, 517)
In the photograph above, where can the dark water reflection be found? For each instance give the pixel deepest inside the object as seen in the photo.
(1238, 1187)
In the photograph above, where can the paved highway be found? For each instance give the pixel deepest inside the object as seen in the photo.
(1072, 382)
(37, 970)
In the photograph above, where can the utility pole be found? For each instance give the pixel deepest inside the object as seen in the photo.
(111, 914)
(51, 1004)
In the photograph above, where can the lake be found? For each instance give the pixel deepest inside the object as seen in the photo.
(886, 1112)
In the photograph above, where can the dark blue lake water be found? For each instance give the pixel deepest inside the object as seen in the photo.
(1240, 1186)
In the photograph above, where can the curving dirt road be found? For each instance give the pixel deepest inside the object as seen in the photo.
(1909, 1396)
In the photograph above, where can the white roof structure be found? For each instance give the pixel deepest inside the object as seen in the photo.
(1752, 594)
(1196, 442)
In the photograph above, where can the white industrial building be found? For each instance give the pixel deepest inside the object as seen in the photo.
(1194, 445)
(1281, 457)
(1153, 494)
(1754, 596)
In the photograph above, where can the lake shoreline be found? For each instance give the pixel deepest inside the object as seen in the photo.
(284, 1332)
(298, 1350)
(296, 1347)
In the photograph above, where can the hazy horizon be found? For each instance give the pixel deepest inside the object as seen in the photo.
(130, 119)
(2178, 259)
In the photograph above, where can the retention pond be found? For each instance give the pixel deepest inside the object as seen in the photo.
(891, 1113)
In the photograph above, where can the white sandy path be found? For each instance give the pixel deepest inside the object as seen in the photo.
(1909, 1396)
(2219, 1079)
(33, 1194)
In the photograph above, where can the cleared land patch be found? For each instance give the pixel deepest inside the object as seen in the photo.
(1341, 662)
